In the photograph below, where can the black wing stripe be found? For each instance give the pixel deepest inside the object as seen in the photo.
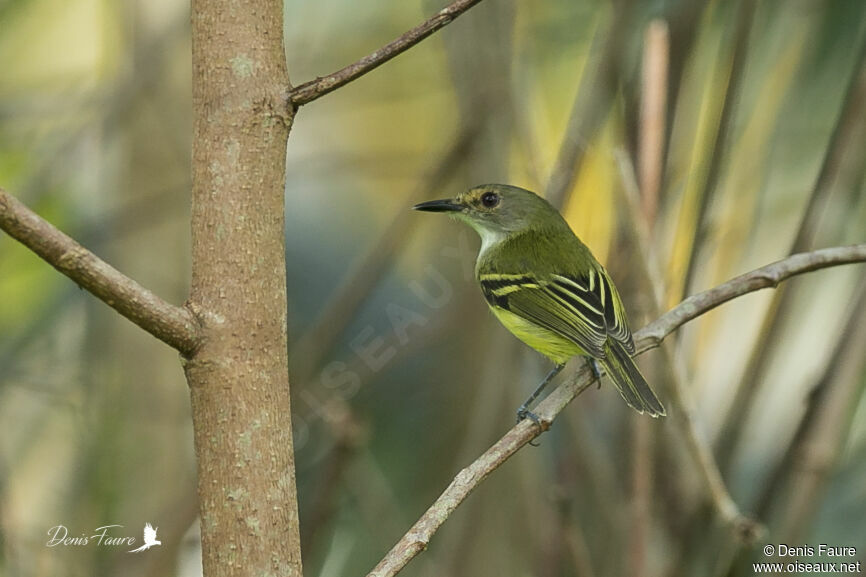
(495, 283)
(496, 288)
(598, 290)
(609, 304)
(585, 284)
(570, 283)
(579, 306)
(614, 314)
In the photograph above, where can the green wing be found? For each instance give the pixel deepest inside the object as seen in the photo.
(586, 309)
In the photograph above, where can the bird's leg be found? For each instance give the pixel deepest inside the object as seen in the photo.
(593, 366)
(523, 412)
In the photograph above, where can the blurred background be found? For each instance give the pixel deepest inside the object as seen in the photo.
(686, 141)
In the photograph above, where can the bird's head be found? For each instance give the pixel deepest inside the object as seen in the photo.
(498, 210)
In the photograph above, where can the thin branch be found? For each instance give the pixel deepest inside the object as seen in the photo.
(768, 276)
(175, 326)
(649, 337)
(309, 91)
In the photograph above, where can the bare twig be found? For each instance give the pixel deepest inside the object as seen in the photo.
(649, 337)
(174, 325)
(309, 91)
(768, 276)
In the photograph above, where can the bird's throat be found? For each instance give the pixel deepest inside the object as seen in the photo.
(489, 240)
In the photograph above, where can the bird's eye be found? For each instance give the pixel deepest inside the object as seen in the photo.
(489, 199)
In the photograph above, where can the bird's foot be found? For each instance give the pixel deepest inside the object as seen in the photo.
(596, 372)
(522, 414)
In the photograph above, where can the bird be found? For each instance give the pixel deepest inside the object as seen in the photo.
(149, 539)
(545, 286)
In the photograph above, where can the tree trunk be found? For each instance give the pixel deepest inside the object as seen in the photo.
(239, 374)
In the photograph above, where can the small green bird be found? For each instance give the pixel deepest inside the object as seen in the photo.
(545, 286)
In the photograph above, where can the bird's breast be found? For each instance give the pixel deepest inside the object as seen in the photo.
(548, 343)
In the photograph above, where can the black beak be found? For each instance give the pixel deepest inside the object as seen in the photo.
(439, 206)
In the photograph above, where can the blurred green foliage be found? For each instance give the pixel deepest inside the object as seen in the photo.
(396, 395)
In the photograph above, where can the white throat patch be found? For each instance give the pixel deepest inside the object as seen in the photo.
(489, 239)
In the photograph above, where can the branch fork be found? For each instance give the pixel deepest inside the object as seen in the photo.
(174, 325)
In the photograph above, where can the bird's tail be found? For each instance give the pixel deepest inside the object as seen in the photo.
(629, 381)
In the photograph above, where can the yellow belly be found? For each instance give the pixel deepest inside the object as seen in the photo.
(548, 343)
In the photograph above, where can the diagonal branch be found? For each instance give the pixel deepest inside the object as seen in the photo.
(175, 326)
(768, 276)
(650, 336)
(309, 91)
